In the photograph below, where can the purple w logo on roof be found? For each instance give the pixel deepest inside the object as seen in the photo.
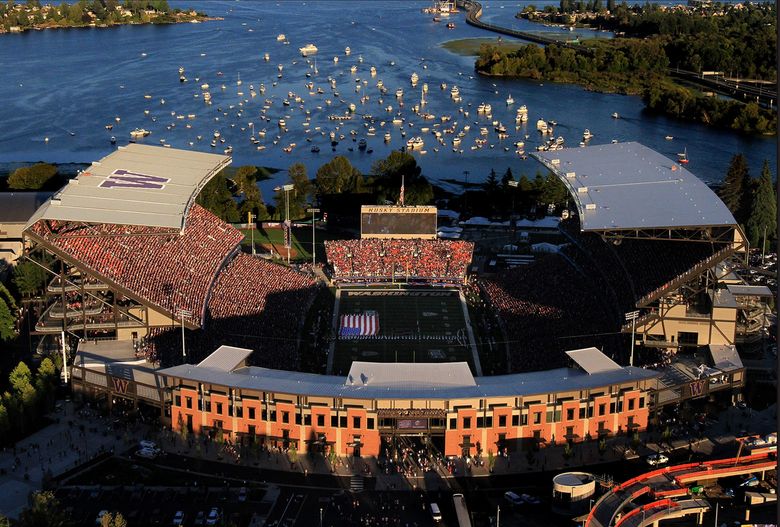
(125, 179)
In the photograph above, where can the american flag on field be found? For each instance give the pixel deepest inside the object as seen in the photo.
(361, 325)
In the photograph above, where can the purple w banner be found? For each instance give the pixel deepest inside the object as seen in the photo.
(125, 179)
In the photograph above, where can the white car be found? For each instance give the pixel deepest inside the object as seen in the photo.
(657, 459)
(146, 453)
(213, 517)
(178, 518)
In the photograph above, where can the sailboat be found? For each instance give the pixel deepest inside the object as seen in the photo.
(238, 82)
(682, 157)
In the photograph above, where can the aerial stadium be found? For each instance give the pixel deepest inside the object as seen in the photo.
(641, 306)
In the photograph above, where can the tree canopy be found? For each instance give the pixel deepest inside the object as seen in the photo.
(389, 173)
(735, 190)
(763, 213)
(34, 177)
(337, 176)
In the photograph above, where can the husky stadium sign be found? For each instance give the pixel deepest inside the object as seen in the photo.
(397, 222)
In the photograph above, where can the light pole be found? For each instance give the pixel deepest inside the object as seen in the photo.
(632, 316)
(250, 224)
(182, 313)
(288, 237)
(498, 516)
(313, 211)
(320, 516)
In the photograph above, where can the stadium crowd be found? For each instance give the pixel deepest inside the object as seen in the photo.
(170, 269)
(383, 259)
(546, 308)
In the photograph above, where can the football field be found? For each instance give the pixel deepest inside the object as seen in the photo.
(414, 326)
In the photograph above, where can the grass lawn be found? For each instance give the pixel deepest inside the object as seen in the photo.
(421, 326)
(301, 242)
(470, 46)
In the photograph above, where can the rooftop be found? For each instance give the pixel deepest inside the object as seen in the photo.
(592, 360)
(630, 186)
(143, 185)
(414, 381)
(18, 207)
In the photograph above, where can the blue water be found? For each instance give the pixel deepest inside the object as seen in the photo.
(57, 82)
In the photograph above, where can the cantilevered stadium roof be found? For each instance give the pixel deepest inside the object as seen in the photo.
(142, 185)
(630, 186)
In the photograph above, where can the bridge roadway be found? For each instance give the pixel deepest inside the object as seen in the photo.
(764, 95)
(617, 508)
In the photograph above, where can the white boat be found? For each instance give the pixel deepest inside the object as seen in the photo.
(415, 78)
(616, 115)
(280, 37)
(454, 92)
(140, 132)
(373, 73)
(308, 49)
(541, 125)
(387, 137)
(586, 135)
(509, 100)
(669, 137)
(399, 92)
(335, 59)
(415, 143)
(266, 56)
(238, 82)
(488, 109)
(347, 51)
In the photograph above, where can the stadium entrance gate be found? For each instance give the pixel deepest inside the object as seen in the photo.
(419, 429)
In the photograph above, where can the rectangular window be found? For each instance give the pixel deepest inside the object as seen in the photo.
(582, 413)
(219, 408)
(630, 404)
(343, 421)
(334, 421)
(590, 412)
(502, 421)
(217, 424)
(619, 406)
(177, 401)
(641, 402)
(297, 418)
(453, 423)
(602, 408)
(537, 418)
(264, 415)
(524, 419)
(320, 420)
(480, 422)
(273, 416)
(251, 413)
(356, 422)
(489, 421)
(239, 412)
(569, 414)
(208, 406)
(515, 420)
(200, 404)
(307, 420)
(467, 422)
(370, 423)
(285, 417)
(612, 408)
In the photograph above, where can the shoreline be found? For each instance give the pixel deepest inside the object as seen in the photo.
(42, 27)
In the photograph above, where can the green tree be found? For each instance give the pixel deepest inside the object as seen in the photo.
(29, 278)
(735, 190)
(217, 198)
(20, 377)
(396, 168)
(763, 213)
(5, 295)
(337, 176)
(33, 177)
(44, 511)
(7, 322)
(303, 189)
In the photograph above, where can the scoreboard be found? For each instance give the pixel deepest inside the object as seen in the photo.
(397, 222)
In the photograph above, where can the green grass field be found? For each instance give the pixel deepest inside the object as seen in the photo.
(301, 241)
(419, 326)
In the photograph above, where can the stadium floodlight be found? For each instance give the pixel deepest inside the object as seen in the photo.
(313, 211)
(632, 316)
(183, 313)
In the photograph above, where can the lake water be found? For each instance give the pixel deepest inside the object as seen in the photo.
(58, 83)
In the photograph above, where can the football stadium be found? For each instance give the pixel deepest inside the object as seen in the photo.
(640, 306)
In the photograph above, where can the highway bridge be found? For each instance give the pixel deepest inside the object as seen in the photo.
(667, 492)
(744, 90)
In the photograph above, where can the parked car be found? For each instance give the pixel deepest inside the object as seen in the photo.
(657, 459)
(146, 453)
(178, 518)
(750, 482)
(200, 519)
(513, 498)
(530, 500)
(214, 516)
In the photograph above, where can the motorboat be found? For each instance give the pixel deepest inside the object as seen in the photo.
(280, 37)
(415, 78)
(347, 51)
(308, 49)
(509, 100)
(139, 132)
(586, 135)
